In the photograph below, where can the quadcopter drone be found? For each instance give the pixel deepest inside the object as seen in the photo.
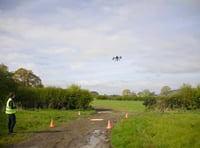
(117, 58)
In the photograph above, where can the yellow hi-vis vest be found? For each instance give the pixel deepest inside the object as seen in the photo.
(10, 110)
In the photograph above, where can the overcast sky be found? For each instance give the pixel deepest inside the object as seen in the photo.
(68, 42)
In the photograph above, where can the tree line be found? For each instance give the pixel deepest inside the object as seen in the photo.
(30, 93)
(186, 97)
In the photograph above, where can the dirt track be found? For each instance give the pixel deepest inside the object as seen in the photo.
(85, 132)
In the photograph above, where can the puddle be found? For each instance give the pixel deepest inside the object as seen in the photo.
(104, 112)
(96, 119)
(97, 139)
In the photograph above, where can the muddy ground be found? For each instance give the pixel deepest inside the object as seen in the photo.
(85, 132)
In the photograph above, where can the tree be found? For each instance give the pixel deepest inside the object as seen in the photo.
(94, 93)
(186, 93)
(7, 83)
(133, 93)
(165, 90)
(27, 78)
(197, 96)
(145, 93)
(78, 98)
(3, 67)
(126, 92)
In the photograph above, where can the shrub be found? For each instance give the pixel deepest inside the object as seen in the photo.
(150, 102)
(57, 98)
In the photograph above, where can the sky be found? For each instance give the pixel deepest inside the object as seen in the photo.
(68, 42)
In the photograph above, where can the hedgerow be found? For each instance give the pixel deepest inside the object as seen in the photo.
(51, 97)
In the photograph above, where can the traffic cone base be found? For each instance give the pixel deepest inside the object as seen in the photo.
(52, 123)
(109, 126)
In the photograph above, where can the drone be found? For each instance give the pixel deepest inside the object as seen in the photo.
(117, 58)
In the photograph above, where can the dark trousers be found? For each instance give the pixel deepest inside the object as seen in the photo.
(11, 122)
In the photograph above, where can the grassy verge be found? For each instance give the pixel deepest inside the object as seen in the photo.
(180, 130)
(153, 129)
(30, 122)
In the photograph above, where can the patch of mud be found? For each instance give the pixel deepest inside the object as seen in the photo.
(103, 111)
(97, 139)
(84, 132)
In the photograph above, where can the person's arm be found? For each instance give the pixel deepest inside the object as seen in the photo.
(12, 105)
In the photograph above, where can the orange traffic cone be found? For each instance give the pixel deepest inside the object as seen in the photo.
(52, 123)
(126, 115)
(109, 125)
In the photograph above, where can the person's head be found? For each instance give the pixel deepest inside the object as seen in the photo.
(12, 95)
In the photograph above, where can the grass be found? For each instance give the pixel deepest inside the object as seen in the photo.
(180, 130)
(32, 121)
(149, 129)
(127, 106)
(143, 129)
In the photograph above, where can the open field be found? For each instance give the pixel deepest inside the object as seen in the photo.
(153, 129)
(143, 128)
(126, 106)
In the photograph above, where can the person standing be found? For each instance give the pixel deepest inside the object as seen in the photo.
(11, 110)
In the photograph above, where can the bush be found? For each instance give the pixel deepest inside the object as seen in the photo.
(150, 102)
(56, 98)
(103, 97)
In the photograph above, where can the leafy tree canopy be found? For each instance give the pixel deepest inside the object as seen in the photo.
(165, 90)
(7, 84)
(145, 93)
(27, 78)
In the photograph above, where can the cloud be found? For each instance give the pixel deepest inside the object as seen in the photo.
(17, 60)
(10, 43)
(74, 41)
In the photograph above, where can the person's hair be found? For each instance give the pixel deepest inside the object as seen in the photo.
(11, 95)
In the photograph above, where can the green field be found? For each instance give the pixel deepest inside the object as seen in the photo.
(149, 129)
(127, 106)
(180, 130)
(143, 128)
(31, 121)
